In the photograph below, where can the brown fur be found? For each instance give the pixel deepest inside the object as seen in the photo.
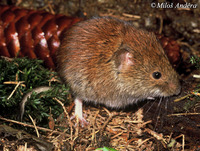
(92, 59)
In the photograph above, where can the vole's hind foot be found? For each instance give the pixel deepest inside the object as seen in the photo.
(80, 120)
(79, 113)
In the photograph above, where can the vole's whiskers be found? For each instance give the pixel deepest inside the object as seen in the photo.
(159, 112)
(152, 103)
(166, 102)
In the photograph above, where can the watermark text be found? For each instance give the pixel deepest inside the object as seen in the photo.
(172, 5)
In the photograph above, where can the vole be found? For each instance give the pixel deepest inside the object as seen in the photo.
(108, 61)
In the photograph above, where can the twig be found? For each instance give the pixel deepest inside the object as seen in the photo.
(109, 118)
(117, 135)
(65, 111)
(25, 146)
(131, 16)
(188, 95)
(38, 135)
(14, 82)
(145, 123)
(196, 93)
(15, 89)
(139, 144)
(27, 125)
(93, 123)
(156, 135)
(50, 7)
(196, 76)
(185, 114)
(161, 24)
(183, 140)
(182, 98)
(7, 58)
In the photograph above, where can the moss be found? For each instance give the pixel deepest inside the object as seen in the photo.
(33, 75)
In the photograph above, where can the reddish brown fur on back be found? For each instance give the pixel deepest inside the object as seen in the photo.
(89, 60)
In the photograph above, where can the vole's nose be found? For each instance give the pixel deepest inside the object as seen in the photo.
(175, 88)
(178, 90)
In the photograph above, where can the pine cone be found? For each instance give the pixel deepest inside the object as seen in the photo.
(171, 48)
(32, 33)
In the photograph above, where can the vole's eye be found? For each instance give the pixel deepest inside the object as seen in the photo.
(156, 75)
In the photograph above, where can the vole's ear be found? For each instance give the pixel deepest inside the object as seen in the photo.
(123, 58)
